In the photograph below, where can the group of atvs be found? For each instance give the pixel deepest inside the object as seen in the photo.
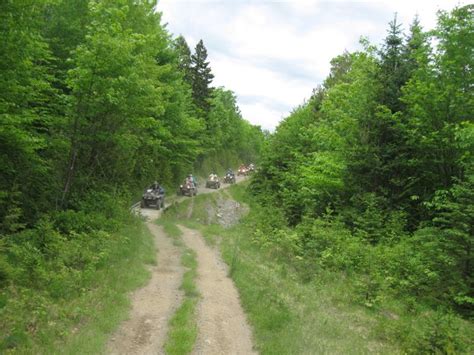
(229, 177)
(246, 169)
(154, 195)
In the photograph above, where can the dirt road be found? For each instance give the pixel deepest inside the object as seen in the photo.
(222, 327)
(153, 305)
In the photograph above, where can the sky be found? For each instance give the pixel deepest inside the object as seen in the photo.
(272, 54)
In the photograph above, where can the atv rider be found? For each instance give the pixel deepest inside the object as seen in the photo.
(191, 180)
(156, 188)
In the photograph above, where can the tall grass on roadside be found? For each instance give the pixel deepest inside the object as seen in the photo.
(79, 292)
(297, 306)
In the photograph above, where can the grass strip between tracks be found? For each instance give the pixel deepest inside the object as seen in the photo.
(182, 326)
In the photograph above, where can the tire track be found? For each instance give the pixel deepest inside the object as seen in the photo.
(146, 329)
(222, 325)
(153, 305)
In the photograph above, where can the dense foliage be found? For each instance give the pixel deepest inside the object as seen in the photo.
(374, 175)
(97, 100)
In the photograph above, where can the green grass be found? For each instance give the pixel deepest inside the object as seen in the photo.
(171, 230)
(83, 324)
(183, 329)
(291, 317)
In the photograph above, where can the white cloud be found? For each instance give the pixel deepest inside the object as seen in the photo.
(276, 52)
(260, 114)
(249, 80)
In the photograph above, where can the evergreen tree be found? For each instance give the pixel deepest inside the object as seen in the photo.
(201, 78)
(392, 69)
(184, 58)
(416, 50)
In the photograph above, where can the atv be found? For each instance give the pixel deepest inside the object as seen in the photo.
(187, 189)
(153, 198)
(229, 179)
(213, 182)
(242, 171)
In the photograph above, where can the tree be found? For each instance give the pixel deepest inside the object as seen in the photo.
(26, 113)
(201, 78)
(393, 73)
(417, 50)
(184, 58)
(340, 66)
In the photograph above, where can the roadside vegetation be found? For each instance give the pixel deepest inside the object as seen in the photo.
(295, 309)
(97, 100)
(71, 291)
(372, 181)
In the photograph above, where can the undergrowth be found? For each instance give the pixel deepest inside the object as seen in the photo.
(68, 281)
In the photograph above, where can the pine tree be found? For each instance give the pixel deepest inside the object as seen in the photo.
(184, 58)
(416, 50)
(392, 70)
(201, 77)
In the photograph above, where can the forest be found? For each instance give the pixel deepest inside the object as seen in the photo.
(373, 178)
(97, 100)
(369, 181)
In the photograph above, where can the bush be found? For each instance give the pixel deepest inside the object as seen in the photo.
(430, 332)
(56, 262)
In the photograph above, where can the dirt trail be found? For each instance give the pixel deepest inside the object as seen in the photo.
(222, 325)
(146, 329)
(153, 305)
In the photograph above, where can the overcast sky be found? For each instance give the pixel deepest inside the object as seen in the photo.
(273, 53)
